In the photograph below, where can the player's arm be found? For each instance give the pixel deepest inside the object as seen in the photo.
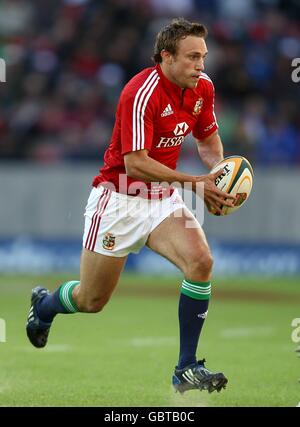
(208, 141)
(210, 149)
(142, 167)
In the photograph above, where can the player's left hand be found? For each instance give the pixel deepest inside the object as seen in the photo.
(214, 197)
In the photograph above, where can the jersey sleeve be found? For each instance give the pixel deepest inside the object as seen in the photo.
(207, 122)
(137, 118)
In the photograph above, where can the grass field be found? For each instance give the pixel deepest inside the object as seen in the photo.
(125, 355)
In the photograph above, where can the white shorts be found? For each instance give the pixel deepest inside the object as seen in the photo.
(117, 224)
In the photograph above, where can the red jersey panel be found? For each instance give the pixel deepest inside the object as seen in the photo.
(156, 114)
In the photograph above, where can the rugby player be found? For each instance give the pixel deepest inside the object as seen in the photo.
(133, 202)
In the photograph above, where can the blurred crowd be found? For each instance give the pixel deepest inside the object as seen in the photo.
(67, 62)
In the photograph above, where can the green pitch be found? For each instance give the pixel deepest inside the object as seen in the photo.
(125, 355)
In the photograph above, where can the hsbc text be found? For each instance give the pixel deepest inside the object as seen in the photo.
(170, 142)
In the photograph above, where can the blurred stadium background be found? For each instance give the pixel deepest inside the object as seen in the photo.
(67, 62)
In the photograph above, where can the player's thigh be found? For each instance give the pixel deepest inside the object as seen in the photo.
(99, 275)
(181, 240)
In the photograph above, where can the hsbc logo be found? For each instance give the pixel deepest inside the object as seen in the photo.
(170, 142)
(180, 129)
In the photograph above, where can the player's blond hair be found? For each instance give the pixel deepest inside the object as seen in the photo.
(169, 36)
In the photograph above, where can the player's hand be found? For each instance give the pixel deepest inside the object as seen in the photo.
(212, 195)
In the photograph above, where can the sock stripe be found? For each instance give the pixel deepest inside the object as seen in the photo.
(193, 295)
(69, 295)
(197, 292)
(204, 288)
(65, 296)
(199, 284)
(65, 299)
(200, 290)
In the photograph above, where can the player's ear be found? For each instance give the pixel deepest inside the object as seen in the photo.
(166, 56)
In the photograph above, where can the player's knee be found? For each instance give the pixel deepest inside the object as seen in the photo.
(206, 263)
(200, 265)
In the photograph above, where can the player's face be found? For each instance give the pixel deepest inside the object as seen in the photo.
(186, 66)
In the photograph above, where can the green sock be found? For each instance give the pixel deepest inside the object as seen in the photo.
(66, 298)
(60, 301)
(196, 290)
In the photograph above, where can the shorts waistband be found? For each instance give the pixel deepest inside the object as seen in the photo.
(148, 196)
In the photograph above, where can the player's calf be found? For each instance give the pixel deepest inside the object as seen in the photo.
(91, 306)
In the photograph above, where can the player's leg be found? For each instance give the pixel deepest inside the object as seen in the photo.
(187, 248)
(99, 275)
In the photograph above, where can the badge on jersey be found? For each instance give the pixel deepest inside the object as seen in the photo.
(198, 106)
(109, 241)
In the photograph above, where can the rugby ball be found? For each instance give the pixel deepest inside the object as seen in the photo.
(237, 179)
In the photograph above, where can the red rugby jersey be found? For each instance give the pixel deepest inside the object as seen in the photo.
(155, 114)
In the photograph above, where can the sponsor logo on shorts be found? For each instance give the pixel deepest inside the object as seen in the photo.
(109, 241)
